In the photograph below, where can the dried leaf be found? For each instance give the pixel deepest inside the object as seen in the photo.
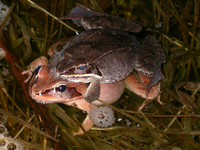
(191, 86)
(185, 98)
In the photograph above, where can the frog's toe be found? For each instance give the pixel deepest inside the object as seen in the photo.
(154, 79)
(140, 87)
(29, 72)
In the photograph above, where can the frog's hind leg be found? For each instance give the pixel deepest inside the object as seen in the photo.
(154, 79)
(148, 60)
(139, 87)
(87, 123)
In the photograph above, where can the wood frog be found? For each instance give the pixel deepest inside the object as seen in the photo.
(45, 88)
(107, 55)
(97, 64)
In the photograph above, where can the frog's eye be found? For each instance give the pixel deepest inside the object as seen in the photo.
(37, 70)
(81, 69)
(61, 88)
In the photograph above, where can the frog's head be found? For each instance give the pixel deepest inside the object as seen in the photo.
(46, 87)
(77, 70)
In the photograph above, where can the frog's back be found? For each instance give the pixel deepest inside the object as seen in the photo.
(112, 51)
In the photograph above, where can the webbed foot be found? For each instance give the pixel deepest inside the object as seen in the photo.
(148, 60)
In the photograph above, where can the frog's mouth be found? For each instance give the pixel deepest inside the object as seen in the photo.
(58, 94)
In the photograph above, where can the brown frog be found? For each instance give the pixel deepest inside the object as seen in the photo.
(45, 88)
(97, 65)
(107, 55)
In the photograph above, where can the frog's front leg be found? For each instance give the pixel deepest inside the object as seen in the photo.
(41, 61)
(93, 91)
(85, 106)
(87, 125)
(106, 92)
